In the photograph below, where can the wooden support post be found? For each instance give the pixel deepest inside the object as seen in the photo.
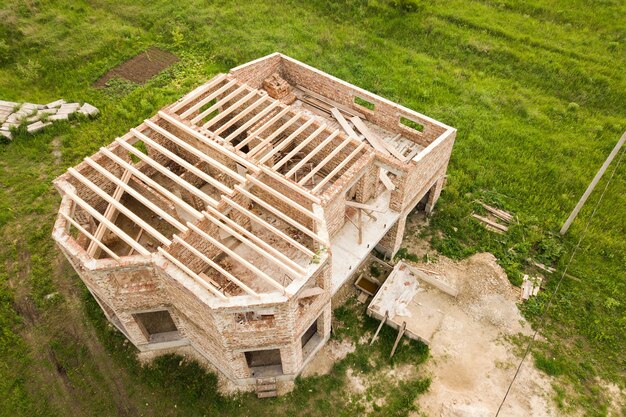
(380, 326)
(593, 184)
(360, 221)
(400, 334)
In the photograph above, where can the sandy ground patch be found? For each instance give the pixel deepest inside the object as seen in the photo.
(332, 352)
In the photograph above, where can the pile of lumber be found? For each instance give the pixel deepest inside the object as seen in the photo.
(530, 287)
(501, 217)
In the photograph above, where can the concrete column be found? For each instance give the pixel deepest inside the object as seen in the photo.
(392, 241)
(434, 194)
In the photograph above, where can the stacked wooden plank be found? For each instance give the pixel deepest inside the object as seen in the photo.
(494, 225)
(530, 287)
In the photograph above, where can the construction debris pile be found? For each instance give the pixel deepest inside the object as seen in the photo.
(38, 116)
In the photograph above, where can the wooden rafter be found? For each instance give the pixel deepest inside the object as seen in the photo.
(286, 142)
(288, 183)
(298, 148)
(219, 103)
(262, 128)
(252, 121)
(207, 99)
(339, 167)
(236, 105)
(274, 134)
(90, 236)
(197, 93)
(324, 161)
(311, 154)
(242, 114)
(166, 172)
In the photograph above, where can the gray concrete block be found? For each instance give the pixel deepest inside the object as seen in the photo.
(6, 134)
(88, 110)
(61, 116)
(8, 104)
(55, 104)
(37, 126)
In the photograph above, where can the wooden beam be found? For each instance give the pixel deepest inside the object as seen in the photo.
(344, 124)
(362, 206)
(288, 183)
(283, 144)
(253, 217)
(197, 92)
(108, 213)
(382, 174)
(208, 98)
(219, 103)
(307, 212)
(120, 207)
(119, 232)
(215, 266)
(252, 121)
(277, 132)
(324, 161)
(195, 151)
(236, 257)
(338, 168)
(252, 245)
(192, 274)
(359, 216)
(262, 128)
(242, 114)
(282, 215)
(137, 195)
(331, 103)
(311, 154)
(369, 136)
(90, 236)
(222, 114)
(380, 326)
(398, 155)
(215, 146)
(149, 181)
(400, 334)
(182, 162)
(298, 148)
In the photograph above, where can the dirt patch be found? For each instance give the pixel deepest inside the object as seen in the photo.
(141, 67)
(332, 352)
(472, 362)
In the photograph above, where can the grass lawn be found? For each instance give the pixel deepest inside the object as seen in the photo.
(537, 91)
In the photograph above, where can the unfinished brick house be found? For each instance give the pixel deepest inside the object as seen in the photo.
(224, 224)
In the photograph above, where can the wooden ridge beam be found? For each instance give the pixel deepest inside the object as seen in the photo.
(283, 144)
(262, 128)
(219, 103)
(207, 99)
(338, 168)
(194, 151)
(236, 257)
(212, 144)
(324, 161)
(119, 232)
(150, 182)
(197, 92)
(282, 215)
(311, 154)
(252, 121)
(215, 266)
(120, 207)
(274, 134)
(182, 162)
(192, 274)
(298, 148)
(251, 244)
(253, 217)
(90, 236)
(136, 194)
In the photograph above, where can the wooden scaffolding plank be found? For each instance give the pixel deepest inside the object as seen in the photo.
(369, 136)
(120, 207)
(195, 151)
(263, 128)
(247, 264)
(215, 146)
(253, 120)
(311, 154)
(324, 161)
(197, 92)
(192, 274)
(150, 182)
(118, 232)
(208, 99)
(90, 236)
(344, 124)
(215, 266)
(250, 243)
(284, 143)
(136, 194)
(220, 103)
(339, 167)
(282, 215)
(298, 148)
(253, 217)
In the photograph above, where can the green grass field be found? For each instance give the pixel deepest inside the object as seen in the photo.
(536, 89)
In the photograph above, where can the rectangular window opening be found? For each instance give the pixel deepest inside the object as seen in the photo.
(157, 326)
(364, 103)
(411, 124)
